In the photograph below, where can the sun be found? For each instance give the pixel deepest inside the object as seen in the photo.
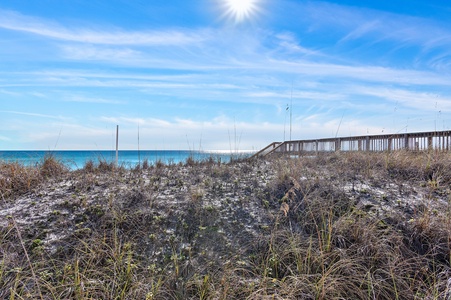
(239, 10)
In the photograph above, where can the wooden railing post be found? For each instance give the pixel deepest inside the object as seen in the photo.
(429, 143)
(338, 145)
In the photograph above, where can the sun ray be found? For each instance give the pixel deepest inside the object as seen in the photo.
(239, 10)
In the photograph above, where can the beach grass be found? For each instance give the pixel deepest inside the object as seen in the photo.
(349, 225)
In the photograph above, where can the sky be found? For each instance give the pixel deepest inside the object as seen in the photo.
(219, 74)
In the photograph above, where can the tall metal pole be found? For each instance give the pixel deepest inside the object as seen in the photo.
(117, 144)
(291, 107)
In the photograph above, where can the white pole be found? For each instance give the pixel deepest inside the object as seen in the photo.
(291, 106)
(117, 144)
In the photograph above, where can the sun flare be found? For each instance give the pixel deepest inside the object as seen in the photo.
(240, 9)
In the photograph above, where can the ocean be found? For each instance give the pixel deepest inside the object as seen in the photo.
(76, 159)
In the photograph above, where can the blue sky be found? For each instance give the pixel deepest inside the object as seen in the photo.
(199, 74)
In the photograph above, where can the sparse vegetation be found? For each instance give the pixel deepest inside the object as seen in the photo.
(334, 226)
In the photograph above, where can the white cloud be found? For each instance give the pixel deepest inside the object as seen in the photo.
(221, 132)
(111, 36)
(288, 42)
(9, 93)
(364, 73)
(142, 122)
(423, 101)
(379, 25)
(33, 115)
(38, 95)
(216, 77)
(89, 52)
(362, 30)
(386, 38)
(226, 51)
(83, 99)
(301, 95)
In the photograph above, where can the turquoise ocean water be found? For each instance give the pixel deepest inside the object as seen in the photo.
(129, 158)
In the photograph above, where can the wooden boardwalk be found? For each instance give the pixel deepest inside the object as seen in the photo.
(418, 141)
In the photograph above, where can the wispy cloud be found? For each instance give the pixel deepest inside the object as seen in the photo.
(310, 71)
(112, 36)
(411, 99)
(89, 52)
(367, 30)
(302, 95)
(362, 30)
(289, 43)
(38, 95)
(9, 93)
(33, 114)
(265, 61)
(224, 50)
(360, 22)
(153, 122)
(83, 99)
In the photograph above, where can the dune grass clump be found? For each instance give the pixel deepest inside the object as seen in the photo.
(52, 167)
(329, 247)
(102, 166)
(17, 179)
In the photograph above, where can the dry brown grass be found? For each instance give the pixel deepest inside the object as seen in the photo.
(141, 242)
(17, 179)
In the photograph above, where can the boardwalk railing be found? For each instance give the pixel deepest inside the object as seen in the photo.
(419, 141)
(268, 149)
